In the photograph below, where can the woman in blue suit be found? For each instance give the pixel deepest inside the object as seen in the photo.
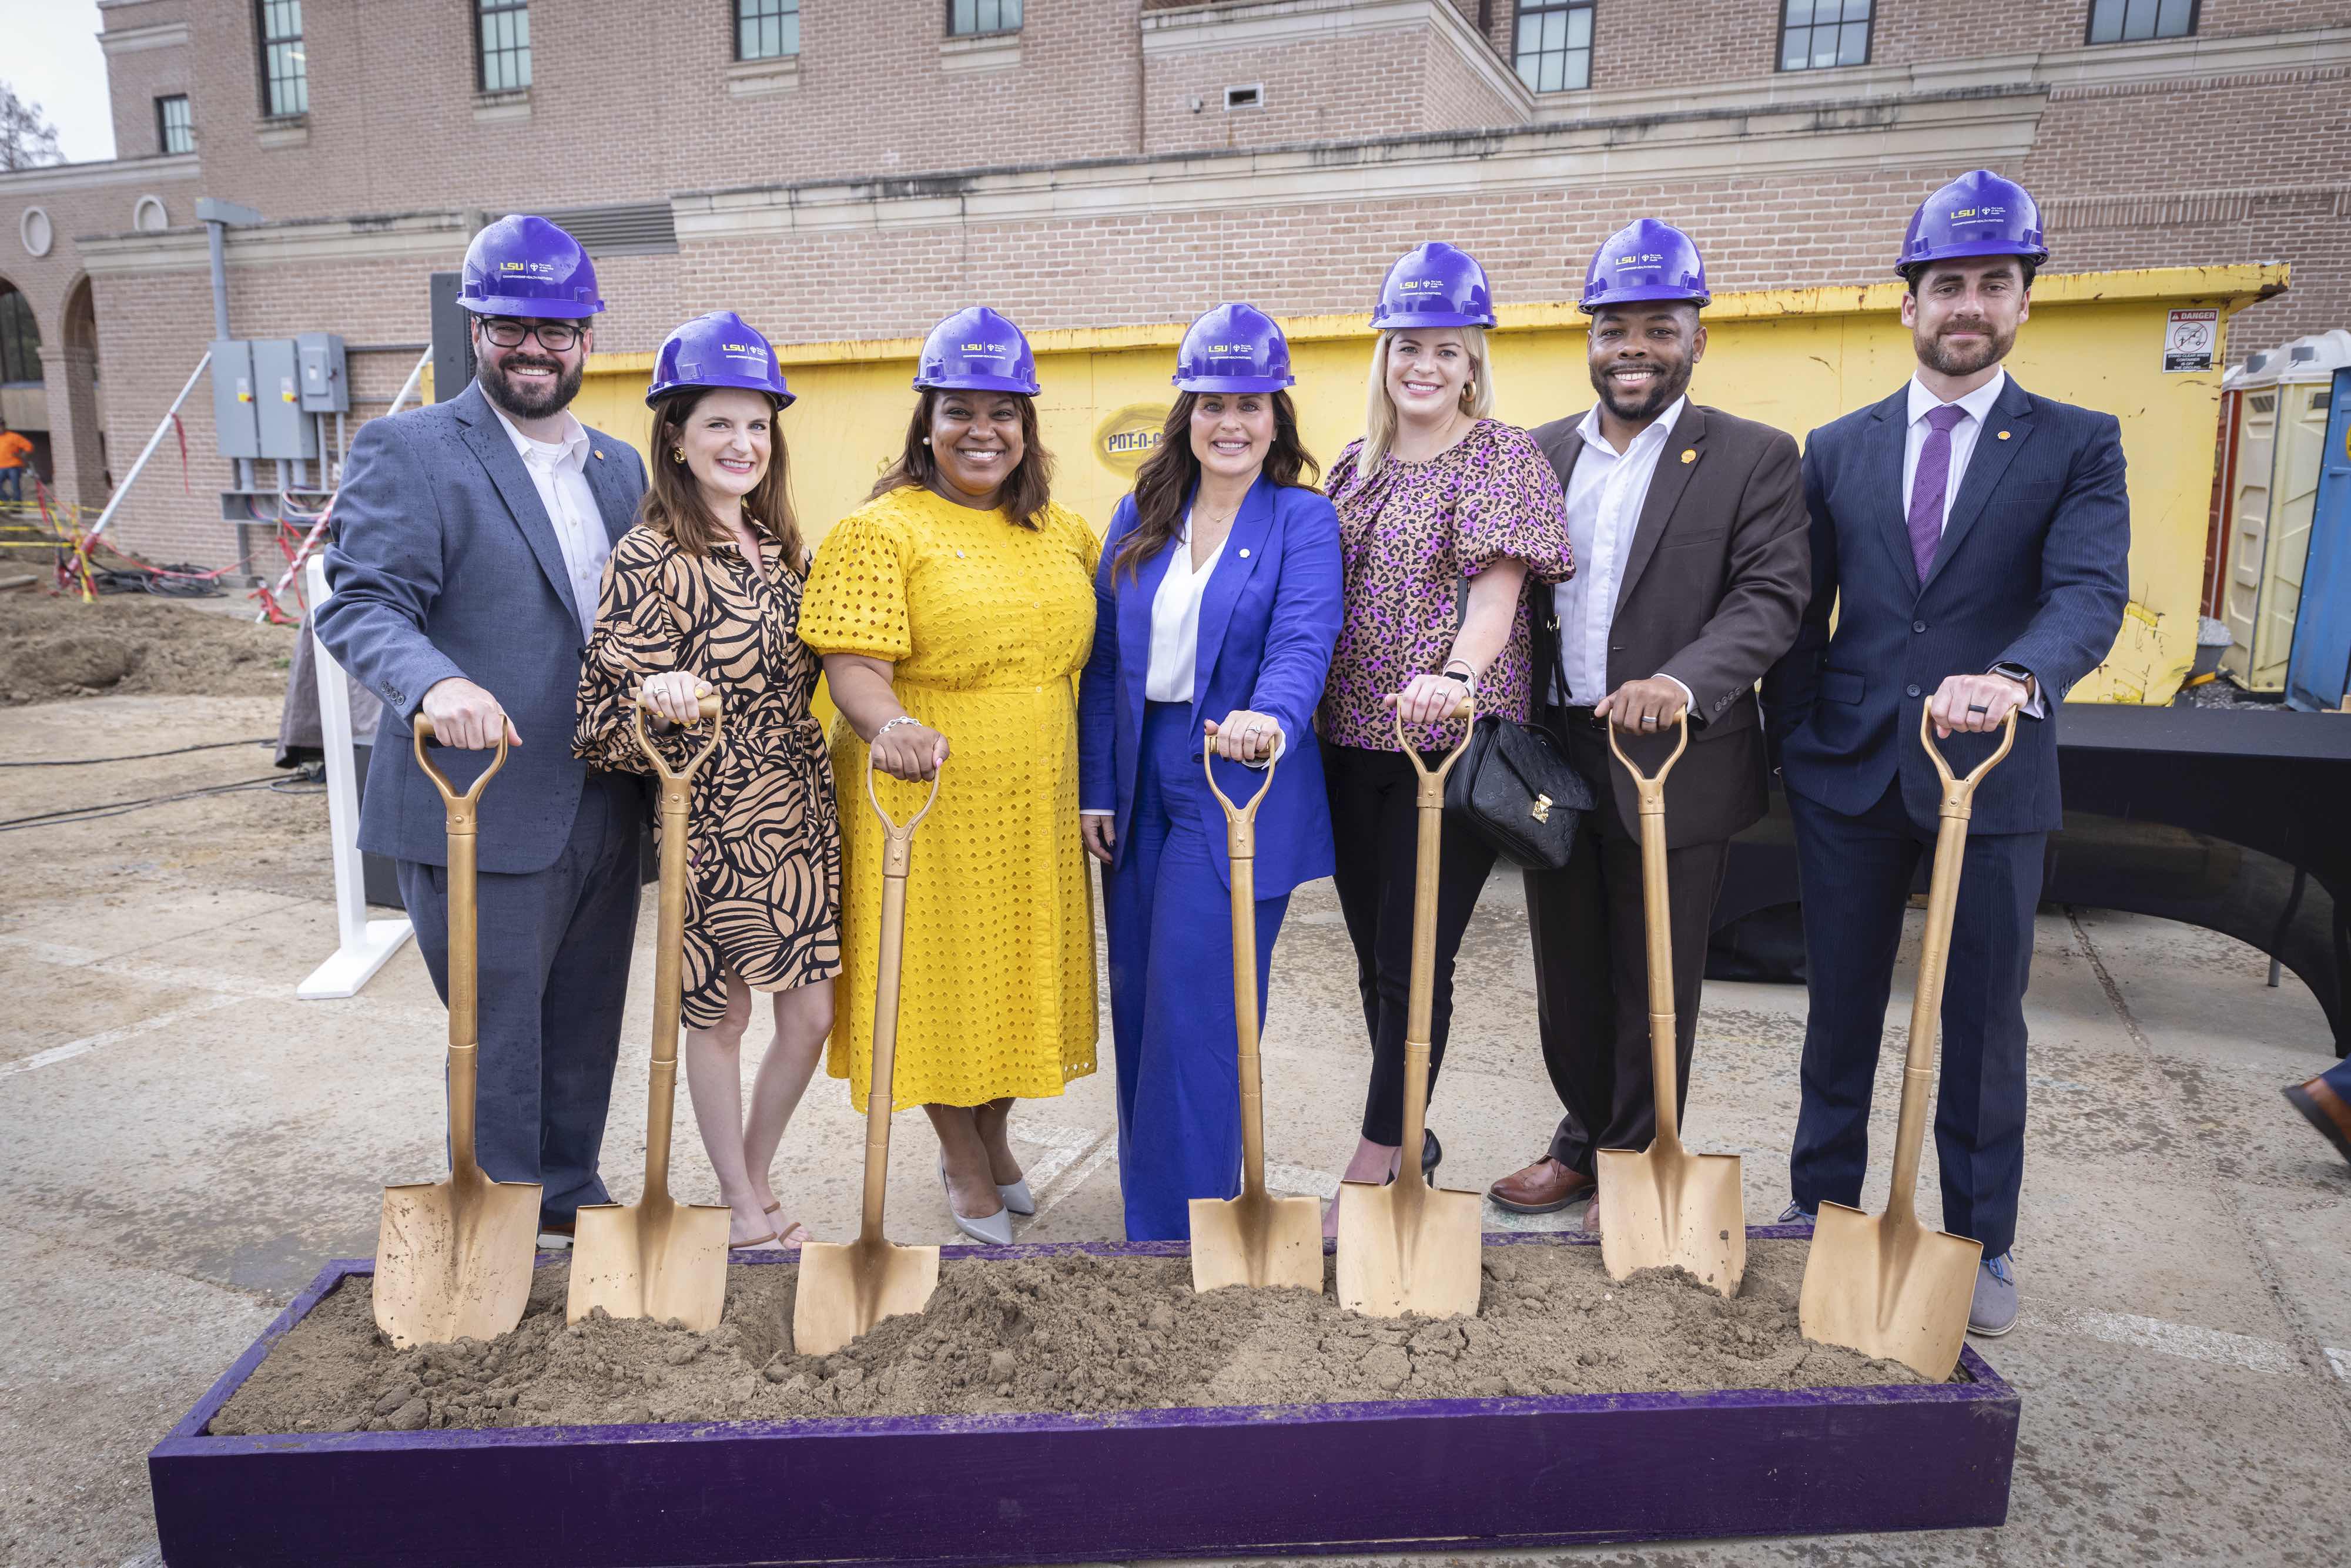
(1215, 606)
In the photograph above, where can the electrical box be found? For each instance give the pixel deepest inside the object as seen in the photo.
(235, 424)
(318, 356)
(287, 432)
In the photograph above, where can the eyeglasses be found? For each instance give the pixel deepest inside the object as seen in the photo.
(555, 337)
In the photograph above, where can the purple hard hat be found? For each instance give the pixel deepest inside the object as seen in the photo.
(1233, 348)
(1979, 213)
(1644, 260)
(525, 265)
(718, 351)
(1434, 285)
(977, 349)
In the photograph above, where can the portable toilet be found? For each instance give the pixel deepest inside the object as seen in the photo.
(2284, 396)
(2320, 671)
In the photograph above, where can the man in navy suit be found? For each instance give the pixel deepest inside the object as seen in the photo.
(1971, 540)
(471, 542)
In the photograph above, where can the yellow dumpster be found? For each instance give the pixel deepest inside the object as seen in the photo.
(1793, 358)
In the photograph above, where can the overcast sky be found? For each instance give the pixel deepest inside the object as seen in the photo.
(52, 59)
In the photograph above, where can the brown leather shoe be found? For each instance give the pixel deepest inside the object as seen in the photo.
(2325, 1111)
(1545, 1187)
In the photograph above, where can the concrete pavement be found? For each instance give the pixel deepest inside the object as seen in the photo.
(185, 1143)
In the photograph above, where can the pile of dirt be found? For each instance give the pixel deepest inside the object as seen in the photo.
(133, 645)
(1075, 1333)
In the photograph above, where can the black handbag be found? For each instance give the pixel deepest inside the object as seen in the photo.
(1514, 790)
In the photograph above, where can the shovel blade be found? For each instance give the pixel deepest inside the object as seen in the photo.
(1271, 1241)
(1408, 1249)
(1889, 1288)
(663, 1261)
(1669, 1208)
(847, 1287)
(454, 1259)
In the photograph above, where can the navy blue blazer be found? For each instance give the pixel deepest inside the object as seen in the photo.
(1267, 621)
(2032, 570)
(444, 564)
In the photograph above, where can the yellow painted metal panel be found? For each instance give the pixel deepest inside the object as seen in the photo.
(1793, 358)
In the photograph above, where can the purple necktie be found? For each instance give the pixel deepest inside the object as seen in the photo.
(1927, 487)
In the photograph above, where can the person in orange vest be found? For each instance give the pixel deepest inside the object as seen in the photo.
(16, 457)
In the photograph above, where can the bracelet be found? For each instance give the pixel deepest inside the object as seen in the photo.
(902, 719)
(1467, 678)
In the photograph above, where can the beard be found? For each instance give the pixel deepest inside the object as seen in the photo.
(1961, 359)
(1669, 383)
(526, 402)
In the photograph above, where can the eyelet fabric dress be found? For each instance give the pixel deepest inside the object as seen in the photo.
(986, 623)
(762, 898)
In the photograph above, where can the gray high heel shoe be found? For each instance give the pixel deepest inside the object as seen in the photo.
(991, 1230)
(1016, 1197)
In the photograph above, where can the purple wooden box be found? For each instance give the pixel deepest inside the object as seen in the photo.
(1443, 1475)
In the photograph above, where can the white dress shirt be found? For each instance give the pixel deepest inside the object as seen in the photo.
(558, 470)
(1978, 406)
(1176, 621)
(1606, 493)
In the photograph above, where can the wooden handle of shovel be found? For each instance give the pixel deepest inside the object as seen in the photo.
(1927, 998)
(464, 953)
(1428, 799)
(1657, 907)
(669, 945)
(1240, 844)
(897, 859)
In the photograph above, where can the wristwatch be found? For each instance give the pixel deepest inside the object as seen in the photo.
(2020, 674)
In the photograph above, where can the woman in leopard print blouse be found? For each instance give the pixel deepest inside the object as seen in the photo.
(704, 594)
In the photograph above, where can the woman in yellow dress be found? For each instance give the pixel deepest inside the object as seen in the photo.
(954, 610)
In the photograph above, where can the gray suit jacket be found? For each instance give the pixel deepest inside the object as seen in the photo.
(1713, 586)
(444, 563)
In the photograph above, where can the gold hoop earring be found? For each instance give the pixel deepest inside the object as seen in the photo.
(677, 453)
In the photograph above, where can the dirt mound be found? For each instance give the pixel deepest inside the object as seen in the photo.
(133, 645)
(1075, 1333)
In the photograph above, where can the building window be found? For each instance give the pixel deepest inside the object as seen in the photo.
(1554, 53)
(502, 45)
(176, 130)
(2130, 21)
(285, 71)
(1817, 34)
(966, 18)
(766, 29)
(20, 337)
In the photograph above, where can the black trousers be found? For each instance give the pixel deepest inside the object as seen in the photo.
(1856, 874)
(1592, 965)
(1373, 820)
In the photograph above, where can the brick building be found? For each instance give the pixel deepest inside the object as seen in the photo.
(852, 169)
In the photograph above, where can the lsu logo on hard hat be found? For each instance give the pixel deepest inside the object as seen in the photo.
(985, 348)
(1129, 436)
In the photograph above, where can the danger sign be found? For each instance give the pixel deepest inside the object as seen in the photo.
(2188, 339)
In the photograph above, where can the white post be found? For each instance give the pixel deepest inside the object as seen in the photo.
(366, 943)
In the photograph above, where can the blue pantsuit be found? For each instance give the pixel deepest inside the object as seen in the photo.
(1267, 616)
(1171, 995)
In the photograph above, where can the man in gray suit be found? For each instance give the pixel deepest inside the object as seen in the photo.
(471, 537)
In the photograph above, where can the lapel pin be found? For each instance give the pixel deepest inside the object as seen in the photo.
(1689, 454)
(599, 454)
(1245, 555)
(2003, 436)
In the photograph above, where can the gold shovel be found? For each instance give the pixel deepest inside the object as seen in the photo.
(1408, 1247)
(847, 1287)
(1662, 1207)
(1885, 1284)
(657, 1257)
(453, 1259)
(1255, 1239)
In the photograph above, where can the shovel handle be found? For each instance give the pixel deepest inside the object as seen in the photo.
(1237, 816)
(1958, 793)
(1653, 783)
(669, 947)
(1428, 805)
(712, 709)
(897, 860)
(463, 963)
(1665, 1064)
(1467, 710)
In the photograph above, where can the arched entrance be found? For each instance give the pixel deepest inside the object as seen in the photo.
(79, 431)
(23, 395)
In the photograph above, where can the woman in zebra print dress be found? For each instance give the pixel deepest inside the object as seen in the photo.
(702, 594)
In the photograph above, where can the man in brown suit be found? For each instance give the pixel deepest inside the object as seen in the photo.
(1693, 566)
